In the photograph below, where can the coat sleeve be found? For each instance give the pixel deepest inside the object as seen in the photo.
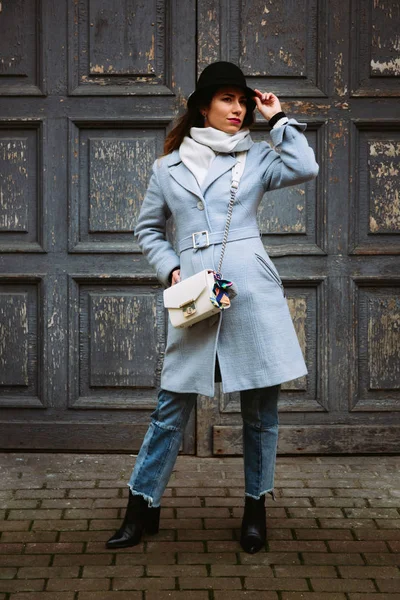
(292, 160)
(151, 230)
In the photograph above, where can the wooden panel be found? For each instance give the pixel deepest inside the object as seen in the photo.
(282, 41)
(119, 48)
(110, 168)
(293, 220)
(20, 344)
(307, 305)
(20, 49)
(376, 346)
(375, 64)
(117, 339)
(376, 188)
(21, 189)
(314, 439)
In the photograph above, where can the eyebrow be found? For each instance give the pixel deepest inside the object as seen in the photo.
(230, 94)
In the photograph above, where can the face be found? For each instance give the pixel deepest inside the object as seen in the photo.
(227, 109)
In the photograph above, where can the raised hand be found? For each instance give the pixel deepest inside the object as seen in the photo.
(267, 103)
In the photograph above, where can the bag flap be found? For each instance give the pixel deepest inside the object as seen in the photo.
(185, 291)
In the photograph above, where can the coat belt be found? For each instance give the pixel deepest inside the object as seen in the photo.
(216, 237)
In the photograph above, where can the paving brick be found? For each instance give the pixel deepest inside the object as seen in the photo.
(7, 572)
(357, 546)
(242, 570)
(14, 525)
(274, 583)
(204, 534)
(377, 596)
(342, 585)
(374, 558)
(192, 558)
(62, 560)
(60, 525)
(210, 583)
(112, 571)
(10, 548)
(270, 558)
(244, 595)
(23, 560)
(34, 514)
(143, 583)
(174, 595)
(324, 534)
(312, 596)
(56, 548)
(328, 558)
(175, 546)
(108, 596)
(388, 523)
(47, 572)
(43, 596)
(370, 573)
(304, 571)
(144, 559)
(388, 585)
(298, 545)
(177, 570)
(377, 534)
(77, 584)
(21, 585)
(29, 536)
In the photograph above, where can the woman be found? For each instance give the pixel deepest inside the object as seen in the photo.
(252, 347)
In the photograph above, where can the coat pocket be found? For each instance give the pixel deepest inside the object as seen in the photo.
(271, 272)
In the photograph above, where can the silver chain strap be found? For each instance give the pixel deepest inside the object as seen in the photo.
(234, 186)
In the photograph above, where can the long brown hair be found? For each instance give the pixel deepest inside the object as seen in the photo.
(194, 118)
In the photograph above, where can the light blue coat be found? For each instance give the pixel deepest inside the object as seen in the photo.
(255, 339)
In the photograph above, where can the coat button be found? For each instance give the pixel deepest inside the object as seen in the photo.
(200, 205)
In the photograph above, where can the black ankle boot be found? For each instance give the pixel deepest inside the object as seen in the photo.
(139, 517)
(253, 533)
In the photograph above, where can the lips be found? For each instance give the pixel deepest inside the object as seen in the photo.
(234, 120)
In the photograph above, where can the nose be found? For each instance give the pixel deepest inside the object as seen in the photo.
(238, 108)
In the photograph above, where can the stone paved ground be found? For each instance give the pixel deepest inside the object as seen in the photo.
(334, 531)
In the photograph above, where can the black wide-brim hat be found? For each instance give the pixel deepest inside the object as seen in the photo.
(219, 74)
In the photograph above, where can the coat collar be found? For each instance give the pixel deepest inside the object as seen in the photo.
(185, 178)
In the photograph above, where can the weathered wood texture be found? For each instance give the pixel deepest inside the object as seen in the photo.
(82, 326)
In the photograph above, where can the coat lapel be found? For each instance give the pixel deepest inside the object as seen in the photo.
(219, 166)
(183, 175)
(185, 178)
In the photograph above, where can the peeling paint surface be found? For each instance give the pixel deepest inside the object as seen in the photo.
(384, 342)
(14, 360)
(127, 29)
(384, 181)
(385, 39)
(14, 191)
(298, 311)
(119, 171)
(275, 37)
(123, 343)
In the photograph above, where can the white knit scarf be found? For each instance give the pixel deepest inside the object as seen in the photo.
(199, 150)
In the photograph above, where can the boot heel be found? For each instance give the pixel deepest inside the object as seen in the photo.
(152, 520)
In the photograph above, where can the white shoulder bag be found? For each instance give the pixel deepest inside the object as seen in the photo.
(193, 299)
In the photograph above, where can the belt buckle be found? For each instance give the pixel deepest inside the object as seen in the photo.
(200, 245)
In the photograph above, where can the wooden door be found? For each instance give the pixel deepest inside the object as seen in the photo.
(88, 90)
(336, 239)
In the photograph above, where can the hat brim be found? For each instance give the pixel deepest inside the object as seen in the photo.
(194, 96)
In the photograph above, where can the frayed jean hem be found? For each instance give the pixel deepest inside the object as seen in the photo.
(150, 500)
(271, 491)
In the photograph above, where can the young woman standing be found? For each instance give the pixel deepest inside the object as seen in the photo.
(252, 347)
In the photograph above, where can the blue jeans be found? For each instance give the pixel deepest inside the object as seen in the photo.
(160, 447)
